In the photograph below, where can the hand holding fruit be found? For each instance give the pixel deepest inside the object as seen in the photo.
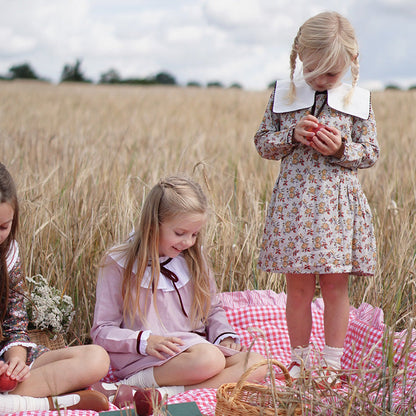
(324, 139)
(316, 129)
(306, 129)
(6, 383)
(328, 141)
(14, 369)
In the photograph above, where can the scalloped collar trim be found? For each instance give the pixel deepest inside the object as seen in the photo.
(359, 105)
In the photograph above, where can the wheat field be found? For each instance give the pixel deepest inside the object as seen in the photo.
(84, 157)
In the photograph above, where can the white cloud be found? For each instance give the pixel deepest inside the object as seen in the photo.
(233, 13)
(13, 42)
(402, 6)
(246, 41)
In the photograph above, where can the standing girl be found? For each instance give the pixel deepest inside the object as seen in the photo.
(158, 315)
(319, 222)
(51, 373)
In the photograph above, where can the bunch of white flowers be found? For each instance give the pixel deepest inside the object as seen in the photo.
(47, 307)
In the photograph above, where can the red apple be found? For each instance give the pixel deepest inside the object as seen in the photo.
(315, 129)
(6, 383)
(145, 399)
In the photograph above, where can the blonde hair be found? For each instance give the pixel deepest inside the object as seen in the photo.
(169, 198)
(330, 36)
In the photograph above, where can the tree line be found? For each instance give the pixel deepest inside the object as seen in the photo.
(74, 73)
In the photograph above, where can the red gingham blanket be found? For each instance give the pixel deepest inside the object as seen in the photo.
(365, 348)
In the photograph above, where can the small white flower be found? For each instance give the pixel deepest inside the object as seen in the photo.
(48, 308)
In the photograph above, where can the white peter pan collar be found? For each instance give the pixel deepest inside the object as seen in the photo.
(177, 265)
(359, 105)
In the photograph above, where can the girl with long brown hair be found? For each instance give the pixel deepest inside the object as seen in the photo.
(42, 377)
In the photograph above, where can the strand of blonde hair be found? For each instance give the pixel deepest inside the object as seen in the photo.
(293, 57)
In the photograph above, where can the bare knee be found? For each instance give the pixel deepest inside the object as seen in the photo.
(300, 299)
(335, 288)
(254, 359)
(205, 361)
(300, 289)
(95, 359)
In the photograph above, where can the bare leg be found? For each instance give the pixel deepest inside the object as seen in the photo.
(65, 370)
(334, 289)
(203, 366)
(234, 368)
(300, 291)
(198, 363)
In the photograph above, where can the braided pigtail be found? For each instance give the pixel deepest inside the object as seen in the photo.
(355, 71)
(293, 57)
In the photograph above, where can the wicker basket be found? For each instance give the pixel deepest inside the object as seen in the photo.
(249, 399)
(47, 338)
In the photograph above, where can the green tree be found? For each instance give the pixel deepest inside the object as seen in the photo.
(165, 78)
(215, 84)
(110, 77)
(193, 84)
(22, 71)
(73, 73)
(392, 87)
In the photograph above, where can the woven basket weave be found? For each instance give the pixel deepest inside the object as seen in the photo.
(47, 338)
(249, 399)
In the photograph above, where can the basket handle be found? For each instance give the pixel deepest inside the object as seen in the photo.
(254, 367)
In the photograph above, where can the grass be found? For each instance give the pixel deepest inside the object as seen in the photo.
(84, 157)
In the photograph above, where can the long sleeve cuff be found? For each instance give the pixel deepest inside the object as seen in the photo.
(340, 152)
(227, 335)
(142, 341)
(17, 343)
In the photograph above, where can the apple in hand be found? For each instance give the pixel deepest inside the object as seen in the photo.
(316, 129)
(6, 383)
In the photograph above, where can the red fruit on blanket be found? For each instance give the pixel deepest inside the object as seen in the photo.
(6, 383)
(145, 400)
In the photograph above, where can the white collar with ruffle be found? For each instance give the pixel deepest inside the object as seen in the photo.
(359, 105)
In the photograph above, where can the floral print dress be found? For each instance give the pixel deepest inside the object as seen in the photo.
(16, 321)
(318, 219)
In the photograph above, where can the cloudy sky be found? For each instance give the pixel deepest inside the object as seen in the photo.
(244, 41)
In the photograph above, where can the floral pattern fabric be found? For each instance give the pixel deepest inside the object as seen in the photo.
(16, 320)
(318, 220)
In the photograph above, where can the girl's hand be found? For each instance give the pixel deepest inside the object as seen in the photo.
(230, 343)
(327, 141)
(303, 130)
(3, 367)
(16, 369)
(16, 363)
(159, 346)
